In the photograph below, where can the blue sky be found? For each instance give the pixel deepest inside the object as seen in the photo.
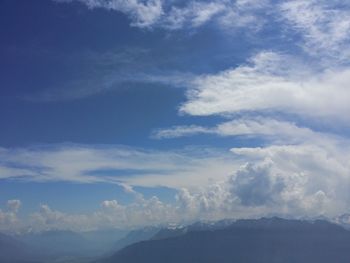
(129, 113)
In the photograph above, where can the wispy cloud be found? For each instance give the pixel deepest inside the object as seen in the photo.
(276, 131)
(324, 26)
(324, 29)
(101, 72)
(173, 15)
(88, 164)
(142, 13)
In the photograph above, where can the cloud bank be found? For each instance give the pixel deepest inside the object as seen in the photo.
(307, 178)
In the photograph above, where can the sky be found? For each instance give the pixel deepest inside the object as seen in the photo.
(128, 113)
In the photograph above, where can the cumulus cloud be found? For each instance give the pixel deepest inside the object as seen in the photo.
(9, 222)
(112, 214)
(255, 185)
(47, 219)
(309, 178)
(14, 205)
(298, 180)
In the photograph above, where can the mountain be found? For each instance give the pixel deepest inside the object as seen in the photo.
(69, 246)
(267, 240)
(132, 237)
(136, 236)
(104, 240)
(14, 251)
(197, 226)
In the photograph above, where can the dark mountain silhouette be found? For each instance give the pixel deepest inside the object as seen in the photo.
(198, 226)
(14, 251)
(136, 236)
(132, 237)
(271, 240)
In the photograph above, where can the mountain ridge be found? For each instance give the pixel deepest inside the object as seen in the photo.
(263, 240)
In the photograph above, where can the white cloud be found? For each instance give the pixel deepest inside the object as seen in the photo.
(194, 14)
(180, 131)
(48, 219)
(324, 25)
(9, 222)
(113, 164)
(142, 13)
(14, 205)
(299, 179)
(277, 131)
(291, 180)
(265, 86)
(309, 178)
(267, 127)
(175, 15)
(112, 214)
(302, 172)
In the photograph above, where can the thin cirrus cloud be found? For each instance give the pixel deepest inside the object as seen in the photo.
(105, 71)
(173, 15)
(324, 26)
(324, 29)
(260, 127)
(104, 82)
(142, 13)
(116, 165)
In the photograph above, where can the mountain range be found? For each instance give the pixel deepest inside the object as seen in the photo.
(266, 240)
